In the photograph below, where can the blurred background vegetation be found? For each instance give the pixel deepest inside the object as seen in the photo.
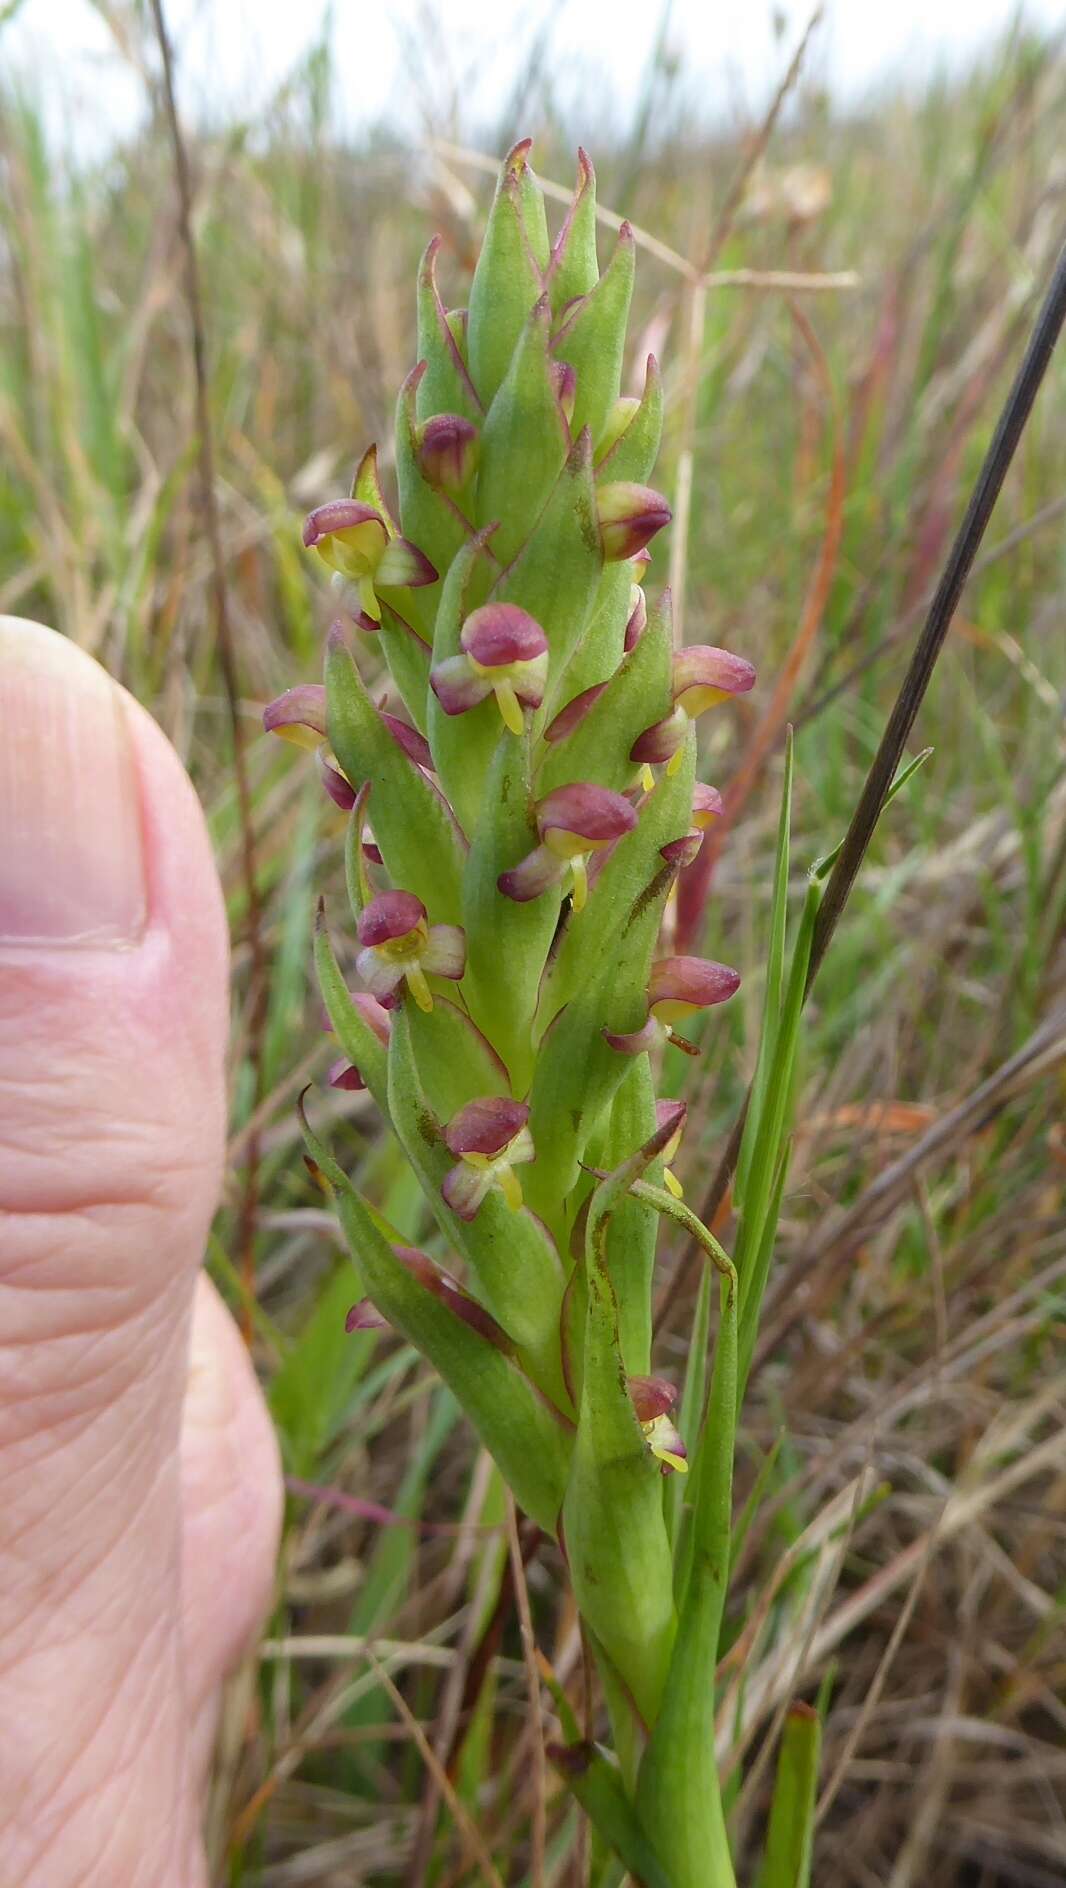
(904, 1430)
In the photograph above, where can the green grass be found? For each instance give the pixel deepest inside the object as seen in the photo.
(898, 1348)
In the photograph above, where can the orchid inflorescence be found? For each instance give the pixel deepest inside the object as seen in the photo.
(514, 835)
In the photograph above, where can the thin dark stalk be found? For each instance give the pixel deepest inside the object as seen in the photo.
(886, 762)
(931, 641)
(257, 988)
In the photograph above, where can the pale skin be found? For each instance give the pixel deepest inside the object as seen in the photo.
(140, 1489)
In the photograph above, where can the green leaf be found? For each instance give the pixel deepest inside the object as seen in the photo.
(420, 842)
(507, 279)
(513, 1257)
(638, 694)
(455, 1059)
(574, 268)
(775, 971)
(602, 646)
(633, 455)
(408, 659)
(790, 1838)
(678, 1795)
(768, 1131)
(507, 942)
(690, 1409)
(593, 337)
(524, 441)
(513, 1421)
(355, 1036)
(633, 1229)
(557, 574)
(577, 1070)
(446, 386)
(593, 1778)
(615, 1536)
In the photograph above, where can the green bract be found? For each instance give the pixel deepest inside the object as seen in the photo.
(518, 814)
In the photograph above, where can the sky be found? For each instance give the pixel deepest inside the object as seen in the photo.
(451, 65)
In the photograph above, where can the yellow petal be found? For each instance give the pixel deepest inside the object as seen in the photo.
(419, 988)
(510, 1187)
(509, 706)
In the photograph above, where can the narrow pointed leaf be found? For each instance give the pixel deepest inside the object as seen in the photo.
(420, 842)
(592, 338)
(524, 443)
(511, 1419)
(507, 279)
(790, 1838)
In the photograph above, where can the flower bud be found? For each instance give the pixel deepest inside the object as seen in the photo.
(617, 420)
(629, 516)
(448, 452)
(702, 676)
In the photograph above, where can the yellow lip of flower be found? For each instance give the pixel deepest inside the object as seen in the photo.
(510, 685)
(663, 1440)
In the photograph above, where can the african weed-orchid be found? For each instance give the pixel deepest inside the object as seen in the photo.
(532, 796)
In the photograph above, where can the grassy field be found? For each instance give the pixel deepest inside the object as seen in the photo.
(904, 1428)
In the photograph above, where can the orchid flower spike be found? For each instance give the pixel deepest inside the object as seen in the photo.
(399, 944)
(573, 822)
(503, 652)
(702, 677)
(353, 540)
(653, 1400)
(491, 1139)
(678, 988)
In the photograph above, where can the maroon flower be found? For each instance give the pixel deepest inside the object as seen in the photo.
(653, 1399)
(398, 944)
(573, 822)
(677, 988)
(491, 1138)
(702, 676)
(503, 652)
(629, 515)
(353, 539)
